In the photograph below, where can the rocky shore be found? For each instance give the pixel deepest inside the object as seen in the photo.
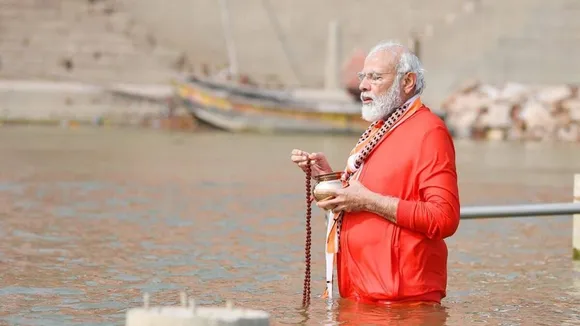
(514, 112)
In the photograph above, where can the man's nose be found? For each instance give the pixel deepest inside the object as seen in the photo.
(364, 85)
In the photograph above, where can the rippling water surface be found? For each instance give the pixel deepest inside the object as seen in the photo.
(91, 219)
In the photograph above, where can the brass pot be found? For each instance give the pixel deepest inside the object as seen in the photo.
(325, 182)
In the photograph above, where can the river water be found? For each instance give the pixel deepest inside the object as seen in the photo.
(90, 219)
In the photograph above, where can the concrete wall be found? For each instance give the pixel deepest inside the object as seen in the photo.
(532, 41)
(525, 41)
(195, 26)
(142, 41)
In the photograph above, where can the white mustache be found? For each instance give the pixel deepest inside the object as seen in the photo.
(365, 94)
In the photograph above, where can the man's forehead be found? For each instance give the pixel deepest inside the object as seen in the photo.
(380, 61)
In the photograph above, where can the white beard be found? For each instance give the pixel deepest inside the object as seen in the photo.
(382, 105)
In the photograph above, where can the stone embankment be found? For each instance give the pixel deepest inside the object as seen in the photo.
(514, 112)
(72, 104)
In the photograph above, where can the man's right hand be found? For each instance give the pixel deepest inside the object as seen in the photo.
(318, 161)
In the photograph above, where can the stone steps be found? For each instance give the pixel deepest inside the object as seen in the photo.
(36, 37)
(531, 40)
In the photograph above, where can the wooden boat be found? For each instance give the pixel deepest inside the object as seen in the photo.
(240, 108)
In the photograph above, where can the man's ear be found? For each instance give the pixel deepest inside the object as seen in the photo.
(409, 82)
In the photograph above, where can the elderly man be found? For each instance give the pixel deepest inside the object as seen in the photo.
(400, 198)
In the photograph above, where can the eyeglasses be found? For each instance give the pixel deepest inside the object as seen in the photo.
(374, 77)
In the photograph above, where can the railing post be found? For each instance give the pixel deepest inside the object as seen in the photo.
(576, 221)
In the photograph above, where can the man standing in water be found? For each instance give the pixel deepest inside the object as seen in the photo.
(400, 199)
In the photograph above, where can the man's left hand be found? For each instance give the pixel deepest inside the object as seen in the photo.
(353, 198)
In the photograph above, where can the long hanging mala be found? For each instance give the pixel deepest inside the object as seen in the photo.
(306, 290)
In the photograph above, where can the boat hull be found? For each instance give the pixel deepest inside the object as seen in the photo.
(233, 110)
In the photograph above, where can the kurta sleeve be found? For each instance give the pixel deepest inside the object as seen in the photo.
(436, 214)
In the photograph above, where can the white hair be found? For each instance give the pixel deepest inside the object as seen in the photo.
(408, 62)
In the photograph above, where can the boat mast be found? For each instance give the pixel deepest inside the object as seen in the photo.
(283, 42)
(232, 55)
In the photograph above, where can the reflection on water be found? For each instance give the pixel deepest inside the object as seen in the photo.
(92, 219)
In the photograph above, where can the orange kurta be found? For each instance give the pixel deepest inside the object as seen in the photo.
(379, 261)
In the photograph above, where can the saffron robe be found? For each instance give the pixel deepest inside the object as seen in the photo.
(382, 262)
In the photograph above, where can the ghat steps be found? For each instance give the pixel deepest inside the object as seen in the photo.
(142, 41)
(73, 40)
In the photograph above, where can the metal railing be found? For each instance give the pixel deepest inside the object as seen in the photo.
(530, 210)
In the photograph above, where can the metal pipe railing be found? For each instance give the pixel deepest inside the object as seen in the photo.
(527, 210)
(530, 210)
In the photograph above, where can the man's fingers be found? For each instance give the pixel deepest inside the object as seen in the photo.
(302, 157)
(316, 156)
(327, 198)
(299, 152)
(328, 203)
(338, 209)
(297, 158)
(301, 160)
(306, 162)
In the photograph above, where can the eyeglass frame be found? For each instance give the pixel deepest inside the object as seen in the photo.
(375, 77)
